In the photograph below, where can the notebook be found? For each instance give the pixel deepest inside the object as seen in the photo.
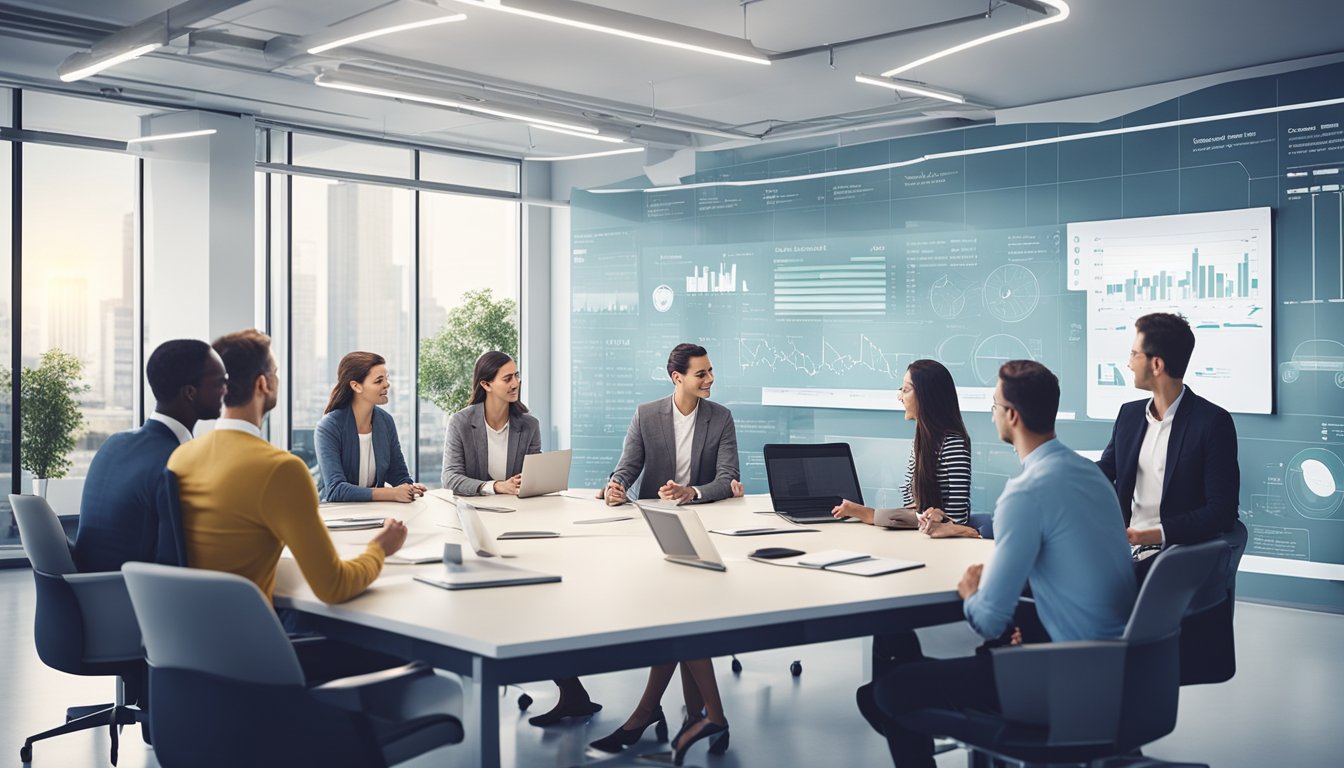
(845, 561)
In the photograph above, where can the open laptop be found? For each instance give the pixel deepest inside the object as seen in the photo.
(545, 473)
(681, 535)
(808, 481)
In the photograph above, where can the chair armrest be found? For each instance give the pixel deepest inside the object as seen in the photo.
(110, 629)
(1073, 688)
(354, 692)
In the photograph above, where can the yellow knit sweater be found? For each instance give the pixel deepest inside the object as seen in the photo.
(243, 500)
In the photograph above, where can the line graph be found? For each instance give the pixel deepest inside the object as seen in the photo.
(756, 353)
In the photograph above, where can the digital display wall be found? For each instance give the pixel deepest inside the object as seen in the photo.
(813, 294)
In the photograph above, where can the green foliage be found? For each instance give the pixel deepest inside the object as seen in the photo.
(479, 325)
(51, 420)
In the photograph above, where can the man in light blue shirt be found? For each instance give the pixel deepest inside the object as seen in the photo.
(1055, 528)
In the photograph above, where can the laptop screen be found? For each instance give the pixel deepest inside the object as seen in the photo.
(669, 532)
(812, 471)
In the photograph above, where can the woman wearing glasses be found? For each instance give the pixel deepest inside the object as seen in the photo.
(357, 447)
(483, 455)
(937, 490)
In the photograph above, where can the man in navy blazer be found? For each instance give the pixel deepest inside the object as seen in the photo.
(119, 517)
(1172, 457)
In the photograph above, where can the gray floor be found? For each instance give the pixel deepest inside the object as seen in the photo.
(1281, 709)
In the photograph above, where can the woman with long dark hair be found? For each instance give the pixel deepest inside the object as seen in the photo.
(483, 455)
(357, 446)
(937, 490)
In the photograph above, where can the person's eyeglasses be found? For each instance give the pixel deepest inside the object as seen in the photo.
(1133, 353)
(996, 404)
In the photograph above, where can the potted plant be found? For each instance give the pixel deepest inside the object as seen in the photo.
(50, 419)
(480, 324)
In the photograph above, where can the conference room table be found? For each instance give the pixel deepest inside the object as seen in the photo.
(620, 604)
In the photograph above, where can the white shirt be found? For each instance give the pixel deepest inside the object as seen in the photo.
(1147, 503)
(683, 431)
(496, 457)
(239, 425)
(367, 468)
(179, 429)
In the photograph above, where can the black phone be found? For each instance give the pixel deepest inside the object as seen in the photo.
(771, 553)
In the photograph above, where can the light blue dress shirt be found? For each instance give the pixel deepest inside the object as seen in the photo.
(1058, 526)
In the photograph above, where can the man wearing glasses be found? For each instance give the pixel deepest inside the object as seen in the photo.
(1173, 457)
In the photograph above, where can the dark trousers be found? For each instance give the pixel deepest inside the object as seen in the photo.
(965, 683)
(324, 659)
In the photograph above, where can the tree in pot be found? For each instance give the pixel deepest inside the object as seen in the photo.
(50, 419)
(480, 324)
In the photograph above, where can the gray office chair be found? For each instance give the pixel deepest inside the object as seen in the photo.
(1075, 702)
(84, 624)
(228, 689)
(1208, 639)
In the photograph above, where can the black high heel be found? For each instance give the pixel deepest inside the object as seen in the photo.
(561, 712)
(717, 745)
(621, 738)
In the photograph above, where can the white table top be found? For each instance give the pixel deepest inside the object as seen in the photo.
(616, 587)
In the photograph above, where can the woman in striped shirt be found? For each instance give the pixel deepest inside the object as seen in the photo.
(937, 490)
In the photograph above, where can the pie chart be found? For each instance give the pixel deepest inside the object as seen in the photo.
(1315, 480)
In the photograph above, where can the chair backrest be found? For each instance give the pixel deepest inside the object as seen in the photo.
(1222, 584)
(1178, 573)
(172, 539)
(212, 622)
(43, 537)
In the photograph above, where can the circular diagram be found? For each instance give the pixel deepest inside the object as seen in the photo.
(946, 298)
(662, 298)
(1315, 480)
(1011, 293)
(993, 352)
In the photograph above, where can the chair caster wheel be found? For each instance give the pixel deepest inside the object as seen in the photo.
(25, 754)
(524, 702)
(737, 666)
(796, 668)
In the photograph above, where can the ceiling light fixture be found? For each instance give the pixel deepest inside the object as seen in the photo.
(628, 25)
(905, 86)
(1061, 13)
(386, 31)
(567, 132)
(82, 65)
(171, 136)
(608, 153)
(377, 87)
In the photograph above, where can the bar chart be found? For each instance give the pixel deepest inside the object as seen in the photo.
(708, 280)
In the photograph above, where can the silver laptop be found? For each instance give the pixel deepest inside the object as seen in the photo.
(682, 536)
(545, 473)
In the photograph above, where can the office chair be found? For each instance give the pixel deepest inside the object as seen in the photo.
(1073, 702)
(84, 623)
(1208, 640)
(228, 689)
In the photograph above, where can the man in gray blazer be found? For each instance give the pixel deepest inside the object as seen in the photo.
(684, 445)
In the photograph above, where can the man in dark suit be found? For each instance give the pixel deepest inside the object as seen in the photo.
(683, 446)
(1172, 457)
(118, 516)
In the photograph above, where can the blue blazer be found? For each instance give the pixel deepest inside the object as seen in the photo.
(1199, 489)
(119, 514)
(337, 440)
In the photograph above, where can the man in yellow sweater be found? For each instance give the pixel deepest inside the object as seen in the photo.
(244, 500)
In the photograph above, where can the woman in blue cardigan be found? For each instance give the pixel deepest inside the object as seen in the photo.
(357, 446)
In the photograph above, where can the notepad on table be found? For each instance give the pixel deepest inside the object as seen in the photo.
(855, 563)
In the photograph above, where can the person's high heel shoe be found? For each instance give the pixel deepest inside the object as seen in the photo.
(717, 735)
(621, 738)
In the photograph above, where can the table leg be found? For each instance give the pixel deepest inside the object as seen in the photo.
(481, 715)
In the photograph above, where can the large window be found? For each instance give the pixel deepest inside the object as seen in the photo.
(9, 534)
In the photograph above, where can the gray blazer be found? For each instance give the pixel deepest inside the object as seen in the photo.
(466, 452)
(650, 448)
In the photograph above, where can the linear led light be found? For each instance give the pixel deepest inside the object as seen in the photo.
(171, 136)
(628, 25)
(902, 86)
(587, 155)
(986, 150)
(387, 31)
(1062, 13)
(567, 132)
(327, 81)
(99, 64)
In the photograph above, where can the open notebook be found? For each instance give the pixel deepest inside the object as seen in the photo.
(844, 561)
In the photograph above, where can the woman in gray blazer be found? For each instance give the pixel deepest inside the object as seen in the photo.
(357, 446)
(483, 454)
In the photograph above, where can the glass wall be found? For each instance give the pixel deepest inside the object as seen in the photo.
(9, 534)
(467, 244)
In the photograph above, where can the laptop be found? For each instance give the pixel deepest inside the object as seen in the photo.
(545, 473)
(477, 574)
(808, 481)
(681, 536)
